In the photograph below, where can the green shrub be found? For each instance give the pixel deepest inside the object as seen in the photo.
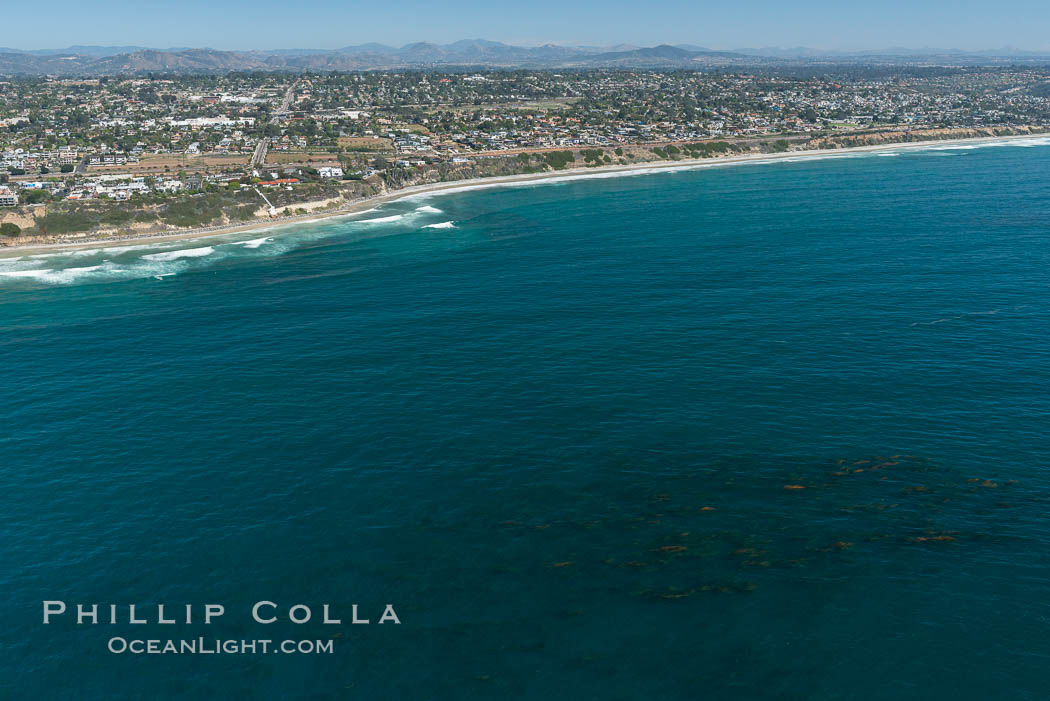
(558, 159)
(591, 154)
(65, 223)
(193, 211)
(36, 196)
(116, 217)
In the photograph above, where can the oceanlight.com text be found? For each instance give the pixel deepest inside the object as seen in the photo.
(216, 646)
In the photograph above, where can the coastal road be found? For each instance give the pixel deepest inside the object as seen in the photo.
(260, 152)
(287, 102)
(259, 157)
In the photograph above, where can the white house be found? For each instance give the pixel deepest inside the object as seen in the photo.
(7, 198)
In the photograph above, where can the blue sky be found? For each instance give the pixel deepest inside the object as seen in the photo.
(323, 24)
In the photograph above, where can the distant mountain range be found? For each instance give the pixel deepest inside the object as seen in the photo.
(113, 60)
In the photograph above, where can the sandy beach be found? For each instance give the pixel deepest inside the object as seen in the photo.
(368, 203)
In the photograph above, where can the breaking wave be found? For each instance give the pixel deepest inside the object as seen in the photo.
(254, 243)
(380, 220)
(65, 276)
(184, 253)
(160, 259)
(120, 263)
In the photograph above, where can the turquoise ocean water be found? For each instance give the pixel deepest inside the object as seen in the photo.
(768, 431)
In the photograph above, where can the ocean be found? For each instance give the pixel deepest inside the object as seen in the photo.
(767, 431)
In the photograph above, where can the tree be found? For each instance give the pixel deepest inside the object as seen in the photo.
(67, 168)
(36, 196)
(9, 229)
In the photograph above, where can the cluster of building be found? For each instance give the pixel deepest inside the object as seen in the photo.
(124, 137)
(538, 109)
(35, 160)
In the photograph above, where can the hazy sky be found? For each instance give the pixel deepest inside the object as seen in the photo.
(324, 24)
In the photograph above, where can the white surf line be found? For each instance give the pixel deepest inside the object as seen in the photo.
(429, 190)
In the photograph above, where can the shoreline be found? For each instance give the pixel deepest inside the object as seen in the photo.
(368, 203)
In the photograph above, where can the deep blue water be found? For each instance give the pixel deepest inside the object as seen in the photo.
(563, 437)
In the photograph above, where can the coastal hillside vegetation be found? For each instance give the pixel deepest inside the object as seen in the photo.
(558, 159)
(41, 219)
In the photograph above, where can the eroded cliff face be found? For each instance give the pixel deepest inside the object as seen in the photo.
(897, 136)
(302, 207)
(22, 217)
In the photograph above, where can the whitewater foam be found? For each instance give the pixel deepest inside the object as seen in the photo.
(254, 243)
(720, 163)
(381, 220)
(63, 276)
(184, 253)
(165, 259)
(137, 247)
